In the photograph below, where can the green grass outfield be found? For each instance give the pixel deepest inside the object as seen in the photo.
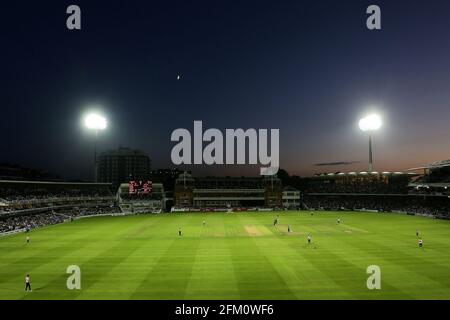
(234, 256)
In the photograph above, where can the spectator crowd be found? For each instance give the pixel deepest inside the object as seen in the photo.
(35, 192)
(20, 196)
(31, 221)
(436, 206)
(377, 184)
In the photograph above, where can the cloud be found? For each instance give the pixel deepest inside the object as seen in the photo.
(337, 163)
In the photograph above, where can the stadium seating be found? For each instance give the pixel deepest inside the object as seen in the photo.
(31, 221)
(31, 204)
(434, 206)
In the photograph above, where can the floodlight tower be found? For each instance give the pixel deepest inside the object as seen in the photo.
(370, 124)
(97, 123)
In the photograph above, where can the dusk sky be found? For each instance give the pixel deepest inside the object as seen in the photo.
(309, 68)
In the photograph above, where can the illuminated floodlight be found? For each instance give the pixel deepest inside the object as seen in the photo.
(370, 123)
(95, 121)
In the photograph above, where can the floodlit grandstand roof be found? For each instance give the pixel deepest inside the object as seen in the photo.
(362, 173)
(439, 164)
(434, 165)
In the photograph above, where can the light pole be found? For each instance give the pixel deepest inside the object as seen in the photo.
(369, 124)
(95, 122)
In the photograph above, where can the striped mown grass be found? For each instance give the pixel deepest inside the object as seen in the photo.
(234, 256)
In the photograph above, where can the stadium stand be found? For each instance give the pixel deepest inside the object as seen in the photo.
(411, 193)
(435, 180)
(291, 198)
(358, 183)
(30, 221)
(438, 207)
(29, 204)
(223, 192)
